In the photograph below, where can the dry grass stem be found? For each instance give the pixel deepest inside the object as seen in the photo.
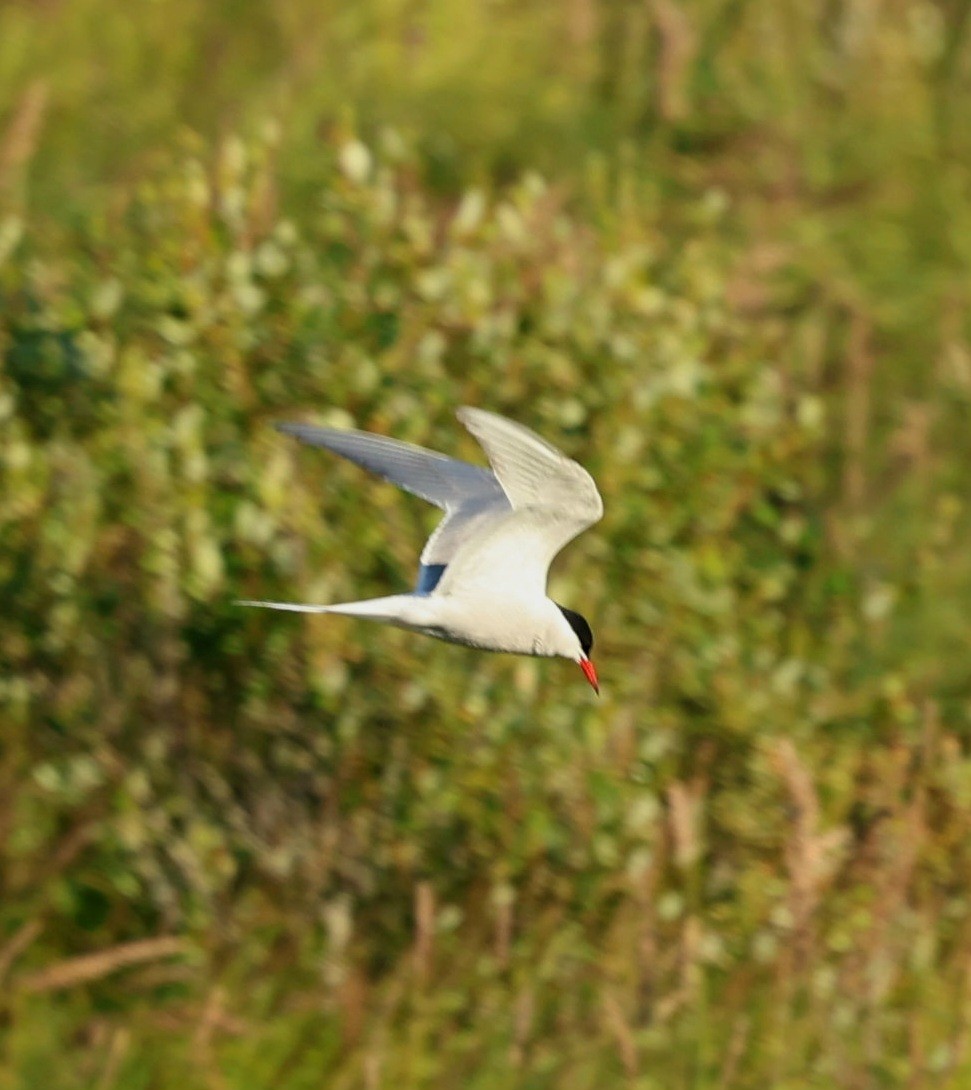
(17, 944)
(424, 929)
(859, 374)
(676, 50)
(684, 803)
(811, 856)
(621, 1032)
(19, 141)
(89, 967)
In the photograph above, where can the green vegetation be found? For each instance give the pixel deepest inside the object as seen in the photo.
(720, 254)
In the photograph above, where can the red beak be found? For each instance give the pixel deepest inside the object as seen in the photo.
(591, 674)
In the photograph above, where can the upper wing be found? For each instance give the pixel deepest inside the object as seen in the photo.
(445, 482)
(532, 472)
(465, 492)
(553, 499)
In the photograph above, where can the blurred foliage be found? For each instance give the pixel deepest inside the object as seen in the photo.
(247, 850)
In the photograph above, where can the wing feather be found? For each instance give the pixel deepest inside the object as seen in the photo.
(532, 472)
(553, 499)
(436, 478)
(469, 495)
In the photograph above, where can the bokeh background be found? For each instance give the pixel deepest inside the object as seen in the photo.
(721, 253)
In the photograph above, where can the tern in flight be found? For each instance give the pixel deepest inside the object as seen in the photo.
(482, 576)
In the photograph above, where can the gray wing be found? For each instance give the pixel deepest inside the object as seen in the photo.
(551, 498)
(469, 495)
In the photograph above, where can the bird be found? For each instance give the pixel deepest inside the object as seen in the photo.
(483, 572)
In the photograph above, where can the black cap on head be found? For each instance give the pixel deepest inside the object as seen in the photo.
(580, 627)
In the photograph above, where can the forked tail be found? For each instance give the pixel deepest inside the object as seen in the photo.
(397, 609)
